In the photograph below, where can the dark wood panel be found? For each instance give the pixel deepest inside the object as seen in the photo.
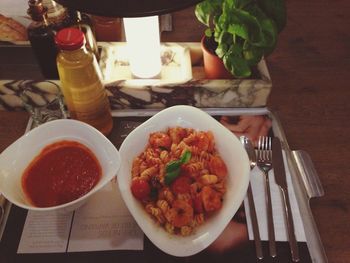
(18, 62)
(310, 70)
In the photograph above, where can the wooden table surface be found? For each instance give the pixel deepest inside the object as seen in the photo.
(309, 70)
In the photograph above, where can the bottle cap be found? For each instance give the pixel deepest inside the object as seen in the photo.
(36, 10)
(70, 38)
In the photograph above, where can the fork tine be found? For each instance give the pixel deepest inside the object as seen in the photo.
(260, 146)
(264, 147)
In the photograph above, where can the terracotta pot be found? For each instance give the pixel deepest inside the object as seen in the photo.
(213, 66)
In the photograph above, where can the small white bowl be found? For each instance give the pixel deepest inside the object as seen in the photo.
(229, 148)
(18, 155)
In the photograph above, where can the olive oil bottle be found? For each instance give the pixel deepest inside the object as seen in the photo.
(81, 81)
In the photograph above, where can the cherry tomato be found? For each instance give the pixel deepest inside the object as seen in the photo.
(181, 185)
(140, 189)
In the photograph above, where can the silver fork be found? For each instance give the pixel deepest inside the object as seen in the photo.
(248, 146)
(264, 162)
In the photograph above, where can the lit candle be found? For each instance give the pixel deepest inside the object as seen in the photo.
(143, 43)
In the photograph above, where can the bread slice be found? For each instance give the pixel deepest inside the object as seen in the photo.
(11, 30)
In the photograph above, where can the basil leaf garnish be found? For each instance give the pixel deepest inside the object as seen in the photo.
(173, 168)
(185, 157)
(171, 176)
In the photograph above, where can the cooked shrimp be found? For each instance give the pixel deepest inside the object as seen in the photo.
(177, 134)
(160, 140)
(181, 213)
(211, 199)
(203, 141)
(211, 146)
(198, 141)
(193, 168)
(217, 166)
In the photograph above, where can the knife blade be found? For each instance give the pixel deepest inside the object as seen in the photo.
(281, 180)
(3, 203)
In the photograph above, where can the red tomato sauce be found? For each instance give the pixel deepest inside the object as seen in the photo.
(62, 172)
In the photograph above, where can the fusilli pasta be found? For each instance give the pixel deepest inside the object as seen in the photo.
(198, 186)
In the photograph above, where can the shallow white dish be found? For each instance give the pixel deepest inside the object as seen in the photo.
(18, 155)
(230, 149)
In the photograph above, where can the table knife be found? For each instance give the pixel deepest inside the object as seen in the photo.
(2, 207)
(3, 203)
(280, 178)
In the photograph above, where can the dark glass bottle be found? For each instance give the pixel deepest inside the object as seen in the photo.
(42, 39)
(57, 15)
(60, 17)
(84, 23)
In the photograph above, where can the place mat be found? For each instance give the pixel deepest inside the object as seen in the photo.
(234, 244)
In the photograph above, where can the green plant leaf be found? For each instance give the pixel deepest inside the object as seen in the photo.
(236, 49)
(276, 10)
(208, 32)
(202, 13)
(221, 50)
(237, 65)
(270, 32)
(227, 5)
(251, 23)
(268, 28)
(245, 30)
(239, 30)
(241, 4)
(252, 54)
(226, 41)
(207, 9)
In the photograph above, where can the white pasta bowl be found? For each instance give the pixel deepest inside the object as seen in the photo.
(16, 158)
(229, 148)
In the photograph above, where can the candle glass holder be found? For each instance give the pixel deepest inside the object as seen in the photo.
(43, 108)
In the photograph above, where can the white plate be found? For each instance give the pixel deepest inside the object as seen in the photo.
(18, 155)
(229, 148)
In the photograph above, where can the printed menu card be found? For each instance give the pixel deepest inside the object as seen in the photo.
(103, 223)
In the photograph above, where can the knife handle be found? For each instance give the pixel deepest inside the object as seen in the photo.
(290, 226)
(270, 225)
(255, 226)
(3, 202)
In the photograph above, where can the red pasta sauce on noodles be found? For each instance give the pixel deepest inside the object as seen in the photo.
(61, 173)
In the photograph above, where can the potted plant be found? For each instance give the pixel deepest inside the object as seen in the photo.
(240, 32)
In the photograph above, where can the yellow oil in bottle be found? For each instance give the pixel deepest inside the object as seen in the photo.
(82, 86)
